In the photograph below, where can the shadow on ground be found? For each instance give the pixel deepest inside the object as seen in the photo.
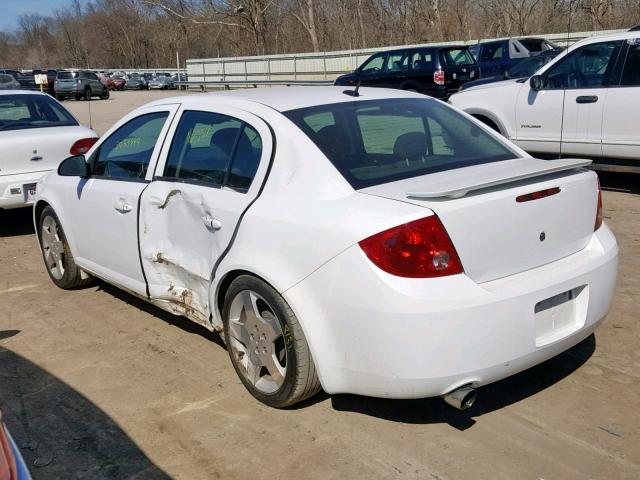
(490, 398)
(620, 182)
(16, 222)
(60, 432)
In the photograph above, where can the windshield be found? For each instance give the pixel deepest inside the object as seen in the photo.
(66, 75)
(378, 141)
(32, 111)
(457, 56)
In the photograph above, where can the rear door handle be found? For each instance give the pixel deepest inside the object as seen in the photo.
(211, 223)
(122, 206)
(587, 99)
(36, 158)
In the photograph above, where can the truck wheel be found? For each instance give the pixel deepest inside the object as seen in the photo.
(56, 253)
(266, 344)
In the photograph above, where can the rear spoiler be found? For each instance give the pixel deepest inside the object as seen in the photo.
(457, 183)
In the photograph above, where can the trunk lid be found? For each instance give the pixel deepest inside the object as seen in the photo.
(495, 235)
(38, 149)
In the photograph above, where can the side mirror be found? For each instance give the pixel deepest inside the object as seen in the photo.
(536, 82)
(75, 166)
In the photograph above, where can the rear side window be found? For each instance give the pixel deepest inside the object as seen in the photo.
(492, 52)
(422, 61)
(32, 111)
(631, 71)
(214, 149)
(127, 152)
(452, 57)
(378, 141)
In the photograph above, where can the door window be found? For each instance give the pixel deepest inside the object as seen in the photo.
(215, 150)
(421, 61)
(492, 52)
(373, 65)
(397, 62)
(631, 72)
(127, 152)
(587, 67)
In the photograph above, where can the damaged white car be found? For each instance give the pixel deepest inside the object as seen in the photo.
(379, 243)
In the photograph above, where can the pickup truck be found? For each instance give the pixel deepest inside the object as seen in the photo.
(583, 103)
(495, 57)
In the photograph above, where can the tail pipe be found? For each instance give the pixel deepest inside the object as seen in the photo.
(461, 398)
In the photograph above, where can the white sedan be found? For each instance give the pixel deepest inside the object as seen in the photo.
(36, 134)
(379, 243)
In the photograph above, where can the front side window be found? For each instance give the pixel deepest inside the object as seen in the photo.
(127, 152)
(378, 141)
(373, 65)
(214, 149)
(397, 62)
(32, 111)
(587, 67)
(631, 71)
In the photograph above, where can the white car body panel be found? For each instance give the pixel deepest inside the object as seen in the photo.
(28, 154)
(552, 122)
(369, 332)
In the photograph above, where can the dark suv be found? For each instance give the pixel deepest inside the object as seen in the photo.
(437, 71)
(82, 84)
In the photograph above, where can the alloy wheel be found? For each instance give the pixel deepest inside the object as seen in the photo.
(53, 247)
(257, 341)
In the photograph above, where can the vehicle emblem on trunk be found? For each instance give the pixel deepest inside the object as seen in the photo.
(542, 236)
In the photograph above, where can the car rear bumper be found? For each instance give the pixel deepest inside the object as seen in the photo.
(12, 193)
(375, 334)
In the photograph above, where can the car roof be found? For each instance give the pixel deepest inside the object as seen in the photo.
(283, 99)
(22, 92)
(603, 38)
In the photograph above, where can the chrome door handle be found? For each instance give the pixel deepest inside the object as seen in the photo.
(121, 206)
(211, 223)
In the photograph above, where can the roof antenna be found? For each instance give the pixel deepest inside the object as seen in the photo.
(353, 93)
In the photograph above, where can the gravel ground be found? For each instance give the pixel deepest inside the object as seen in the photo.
(97, 384)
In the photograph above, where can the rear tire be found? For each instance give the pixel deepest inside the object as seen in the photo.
(87, 94)
(268, 350)
(58, 260)
(105, 96)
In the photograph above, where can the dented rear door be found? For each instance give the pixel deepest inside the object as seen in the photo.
(209, 173)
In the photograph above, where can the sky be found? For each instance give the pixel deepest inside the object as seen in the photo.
(10, 10)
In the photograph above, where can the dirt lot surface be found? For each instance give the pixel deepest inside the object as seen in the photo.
(96, 384)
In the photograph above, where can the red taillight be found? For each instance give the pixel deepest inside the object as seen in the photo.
(8, 470)
(419, 249)
(438, 77)
(599, 210)
(82, 146)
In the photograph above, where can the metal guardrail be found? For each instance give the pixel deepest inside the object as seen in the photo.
(314, 66)
(227, 84)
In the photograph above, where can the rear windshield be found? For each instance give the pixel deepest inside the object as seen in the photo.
(32, 111)
(457, 56)
(378, 141)
(67, 75)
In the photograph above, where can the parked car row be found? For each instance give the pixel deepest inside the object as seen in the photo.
(440, 71)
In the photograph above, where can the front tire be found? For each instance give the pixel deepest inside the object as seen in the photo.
(266, 344)
(56, 253)
(105, 96)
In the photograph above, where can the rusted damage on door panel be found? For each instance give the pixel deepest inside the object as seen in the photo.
(175, 245)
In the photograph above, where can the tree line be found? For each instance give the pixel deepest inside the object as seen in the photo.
(148, 33)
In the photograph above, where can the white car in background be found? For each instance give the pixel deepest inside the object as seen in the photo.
(583, 103)
(36, 134)
(379, 243)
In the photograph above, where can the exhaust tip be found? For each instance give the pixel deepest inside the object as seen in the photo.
(461, 398)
